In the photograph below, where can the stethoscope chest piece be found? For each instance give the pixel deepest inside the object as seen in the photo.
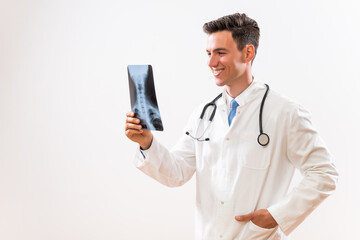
(263, 139)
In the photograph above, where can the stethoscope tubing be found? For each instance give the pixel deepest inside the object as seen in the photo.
(263, 139)
(262, 107)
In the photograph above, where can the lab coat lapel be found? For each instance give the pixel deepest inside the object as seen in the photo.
(224, 116)
(222, 111)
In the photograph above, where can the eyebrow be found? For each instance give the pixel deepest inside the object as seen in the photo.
(218, 50)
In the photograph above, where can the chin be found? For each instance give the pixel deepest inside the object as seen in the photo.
(219, 82)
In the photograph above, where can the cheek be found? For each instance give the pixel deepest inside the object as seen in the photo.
(239, 66)
(225, 62)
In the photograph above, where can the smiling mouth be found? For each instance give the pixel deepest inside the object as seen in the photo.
(217, 72)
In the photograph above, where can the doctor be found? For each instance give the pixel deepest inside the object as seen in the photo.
(242, 186)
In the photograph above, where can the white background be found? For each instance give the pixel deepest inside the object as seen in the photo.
(66, 168)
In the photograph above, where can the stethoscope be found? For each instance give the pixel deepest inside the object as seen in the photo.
(263, 139)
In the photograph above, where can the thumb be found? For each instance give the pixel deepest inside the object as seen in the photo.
(245, 218)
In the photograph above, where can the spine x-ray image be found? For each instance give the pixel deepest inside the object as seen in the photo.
(143, 97)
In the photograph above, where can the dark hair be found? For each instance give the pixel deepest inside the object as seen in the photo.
(244, 29)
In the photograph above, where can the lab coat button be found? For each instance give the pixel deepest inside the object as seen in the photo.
(222, 203)
(227, 139)
(220, 236)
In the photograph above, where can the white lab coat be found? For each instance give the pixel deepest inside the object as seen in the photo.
(235, 175)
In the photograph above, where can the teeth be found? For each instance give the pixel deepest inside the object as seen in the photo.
(217, 72)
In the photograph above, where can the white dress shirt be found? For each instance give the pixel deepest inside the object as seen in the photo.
(235, 175)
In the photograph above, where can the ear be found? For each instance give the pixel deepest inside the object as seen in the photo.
(249, 53)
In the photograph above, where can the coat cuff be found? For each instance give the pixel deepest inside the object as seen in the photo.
(142, 156)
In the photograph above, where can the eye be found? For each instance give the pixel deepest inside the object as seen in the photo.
(221, 53)
(209, 54)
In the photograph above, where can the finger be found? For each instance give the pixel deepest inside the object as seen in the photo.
(130, 114)
(132, 120)
(245, 218)
(131, 132)
(131, 126)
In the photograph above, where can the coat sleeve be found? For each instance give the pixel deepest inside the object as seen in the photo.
(171, 168)
(308, 153)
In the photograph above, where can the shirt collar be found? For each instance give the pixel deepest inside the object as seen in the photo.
(247, 95)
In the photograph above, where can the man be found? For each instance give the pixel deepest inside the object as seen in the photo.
(241, 184)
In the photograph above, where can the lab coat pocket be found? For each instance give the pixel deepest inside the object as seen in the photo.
(252, 154)
(254, 232)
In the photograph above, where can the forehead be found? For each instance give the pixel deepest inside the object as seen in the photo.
(221, 39)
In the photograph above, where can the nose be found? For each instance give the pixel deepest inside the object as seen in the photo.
(213, 61)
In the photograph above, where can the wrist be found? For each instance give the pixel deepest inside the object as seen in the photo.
(146, 145)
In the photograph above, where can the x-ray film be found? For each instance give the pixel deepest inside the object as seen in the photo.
(143, 97)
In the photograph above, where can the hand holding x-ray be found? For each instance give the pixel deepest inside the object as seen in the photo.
(135, 133)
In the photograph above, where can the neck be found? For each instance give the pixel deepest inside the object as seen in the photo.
(237, 88)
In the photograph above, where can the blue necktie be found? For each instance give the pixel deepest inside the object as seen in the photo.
(233, 106)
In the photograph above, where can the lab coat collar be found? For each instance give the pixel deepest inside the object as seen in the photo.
(247, 95)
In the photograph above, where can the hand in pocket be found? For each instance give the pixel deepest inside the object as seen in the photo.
(261, 218)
